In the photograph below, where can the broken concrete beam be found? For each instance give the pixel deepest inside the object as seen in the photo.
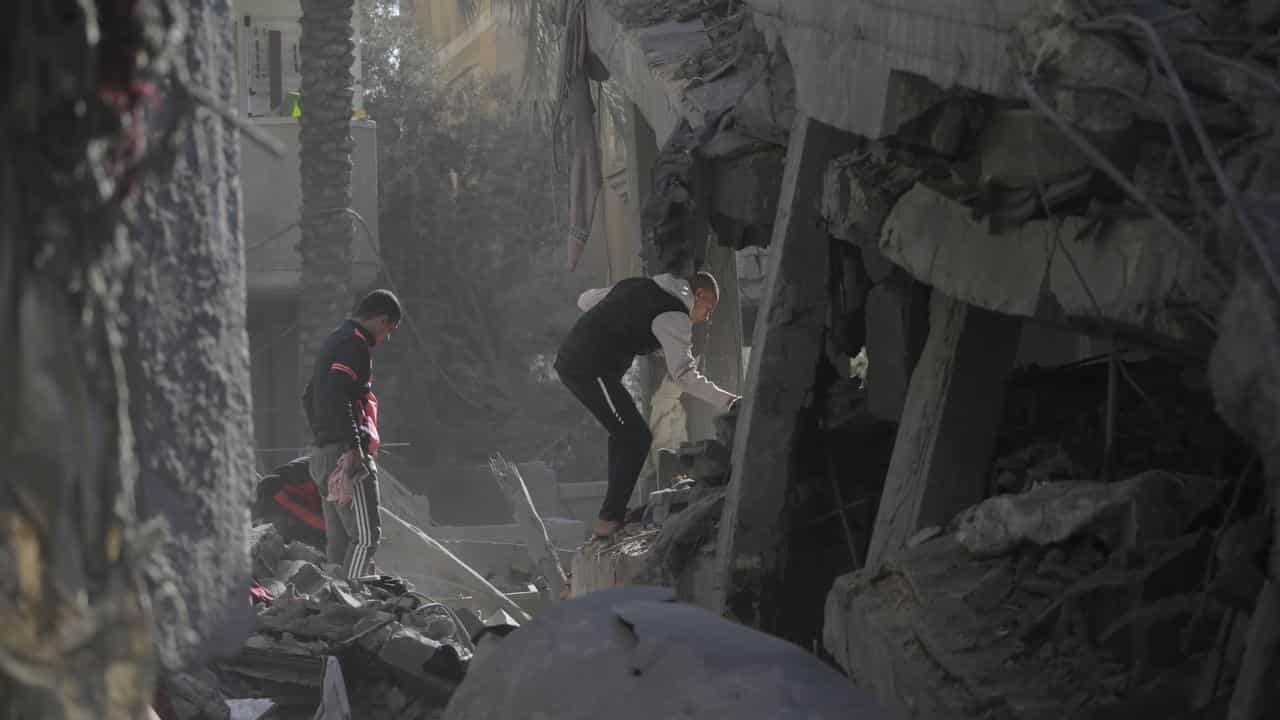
(949, 422)
(786, 346)
(1125, 274)
(897, 321)
(856, 45)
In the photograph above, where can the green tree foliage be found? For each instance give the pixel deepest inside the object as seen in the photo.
(471, 224)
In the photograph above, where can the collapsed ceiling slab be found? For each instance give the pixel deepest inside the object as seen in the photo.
(847, 54)
(1124, 274)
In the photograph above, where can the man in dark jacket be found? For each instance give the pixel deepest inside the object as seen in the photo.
(342, 412)
(636, 316)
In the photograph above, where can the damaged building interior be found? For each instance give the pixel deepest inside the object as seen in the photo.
(1008, 444)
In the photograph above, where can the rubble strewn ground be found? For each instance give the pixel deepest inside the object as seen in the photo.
(400, 653)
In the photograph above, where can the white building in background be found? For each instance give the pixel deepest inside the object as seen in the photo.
(268, 73)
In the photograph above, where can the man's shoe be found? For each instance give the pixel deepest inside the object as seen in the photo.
(604, 529)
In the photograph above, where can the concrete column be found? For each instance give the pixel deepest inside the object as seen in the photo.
(949, 422)
(785, 350)
(642, 153)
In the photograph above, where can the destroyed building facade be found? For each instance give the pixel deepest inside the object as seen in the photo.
(990, 203)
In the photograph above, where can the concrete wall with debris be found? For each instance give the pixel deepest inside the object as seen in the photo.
(959, 189)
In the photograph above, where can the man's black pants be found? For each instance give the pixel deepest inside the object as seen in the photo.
(629, 436)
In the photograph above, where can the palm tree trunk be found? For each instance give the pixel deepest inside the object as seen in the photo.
(326, 51)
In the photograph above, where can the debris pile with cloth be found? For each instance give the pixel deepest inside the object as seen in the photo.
(373, 646)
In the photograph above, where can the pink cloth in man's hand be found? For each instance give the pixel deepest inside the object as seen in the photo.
(344, 476)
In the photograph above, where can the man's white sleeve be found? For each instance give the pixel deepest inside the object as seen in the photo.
(588, 299)
(675, 331)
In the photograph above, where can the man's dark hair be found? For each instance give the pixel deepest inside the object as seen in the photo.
(704, 280)
(379, 302)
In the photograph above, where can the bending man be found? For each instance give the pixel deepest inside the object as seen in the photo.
(636, 316)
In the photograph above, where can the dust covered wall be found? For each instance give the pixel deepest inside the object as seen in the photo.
(187, 363)
(123, 313)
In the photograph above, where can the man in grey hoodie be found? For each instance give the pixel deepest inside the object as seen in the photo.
(636, 316)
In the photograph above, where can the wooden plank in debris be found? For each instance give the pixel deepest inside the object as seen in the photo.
(536, 540)
(786, 346)
(948, 428)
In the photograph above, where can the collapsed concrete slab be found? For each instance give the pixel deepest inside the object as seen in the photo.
(848, 55)
(1126, 275)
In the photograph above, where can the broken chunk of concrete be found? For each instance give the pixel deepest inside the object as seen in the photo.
(858, 192)
(1147, 508)
(1074, 271)
(637, 656)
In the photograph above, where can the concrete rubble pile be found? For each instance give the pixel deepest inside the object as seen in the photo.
(1076, 596)
(1063, 595)
(373, 645)
(672, 543)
